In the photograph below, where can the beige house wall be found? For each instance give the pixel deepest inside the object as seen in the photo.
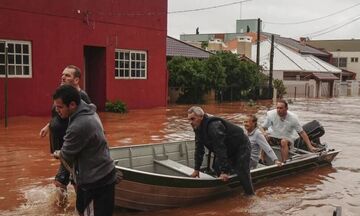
(351, 66)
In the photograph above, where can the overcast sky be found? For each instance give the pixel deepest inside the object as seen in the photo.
(223, 19)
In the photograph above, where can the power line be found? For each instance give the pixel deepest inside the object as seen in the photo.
(277, 46)
(149, 13)
(332, 28)
(84, 17)
(208, 8)
(312, 20)
(171, 12)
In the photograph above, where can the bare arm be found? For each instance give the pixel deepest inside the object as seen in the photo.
(307, 141)
(45, 130)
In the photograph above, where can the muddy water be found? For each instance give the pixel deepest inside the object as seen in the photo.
(27, 169)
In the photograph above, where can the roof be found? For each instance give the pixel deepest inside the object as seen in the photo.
(325, 76)
(176, 47)
(348, 73)
(245, 58)
(286, 59)
(253, 36)
(300, 47)
(352, 45)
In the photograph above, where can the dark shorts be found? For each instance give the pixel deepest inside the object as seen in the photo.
(274, 141)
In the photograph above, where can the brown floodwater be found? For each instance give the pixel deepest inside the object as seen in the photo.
(27, 169)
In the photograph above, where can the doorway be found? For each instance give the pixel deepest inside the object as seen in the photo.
(95, 75)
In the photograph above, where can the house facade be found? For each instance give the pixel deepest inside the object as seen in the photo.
(345, 53)
(303, 75)
(120, 46)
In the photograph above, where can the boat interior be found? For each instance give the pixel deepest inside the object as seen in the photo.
(175, 159)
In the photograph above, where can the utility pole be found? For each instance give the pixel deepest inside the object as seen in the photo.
(6, 85)
(258, 43)
(338, 65)
(271, 67)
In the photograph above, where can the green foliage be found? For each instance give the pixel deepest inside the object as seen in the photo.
(204, 44)
(116, 106)
(215, 72)
(280, 88)
(242, 77)
(221, 72)
(195, 77)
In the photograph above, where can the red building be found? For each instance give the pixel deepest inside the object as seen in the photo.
(119, 45)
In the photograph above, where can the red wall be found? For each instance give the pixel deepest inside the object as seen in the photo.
(58, 34)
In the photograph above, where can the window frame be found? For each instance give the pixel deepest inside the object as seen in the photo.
(340, 62)
(354, 60)
(123, 63)
(15, 56)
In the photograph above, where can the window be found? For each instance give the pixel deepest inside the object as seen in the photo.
(342, 62)
(354, 59)
(130, 64)
(19, 58)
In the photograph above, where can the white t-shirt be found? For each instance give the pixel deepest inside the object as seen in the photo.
(287, 128)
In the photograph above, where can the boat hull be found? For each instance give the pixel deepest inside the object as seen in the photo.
(148, 186)
(146, 192)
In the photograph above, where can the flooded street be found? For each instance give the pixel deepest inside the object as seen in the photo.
(27, 169)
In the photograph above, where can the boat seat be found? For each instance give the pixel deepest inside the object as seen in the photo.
(181, 168)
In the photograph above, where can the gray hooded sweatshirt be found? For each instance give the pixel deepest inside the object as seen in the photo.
(85, 146)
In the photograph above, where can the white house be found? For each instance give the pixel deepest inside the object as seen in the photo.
(303, 75)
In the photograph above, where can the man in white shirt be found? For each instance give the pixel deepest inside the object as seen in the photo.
(283, 124)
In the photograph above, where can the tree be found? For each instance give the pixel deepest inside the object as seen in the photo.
(280, 88)
(215, 72)
(195, 77)
(242, 77)
(222, 72)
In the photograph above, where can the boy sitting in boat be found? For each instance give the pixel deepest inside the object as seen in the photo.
(258, 143)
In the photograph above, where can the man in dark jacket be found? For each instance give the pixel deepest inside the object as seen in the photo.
(227, 141)
(85, 150)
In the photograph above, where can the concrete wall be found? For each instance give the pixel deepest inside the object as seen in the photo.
(349, 88)
(302, 89)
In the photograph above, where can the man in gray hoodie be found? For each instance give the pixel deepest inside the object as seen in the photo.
(85, 150)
